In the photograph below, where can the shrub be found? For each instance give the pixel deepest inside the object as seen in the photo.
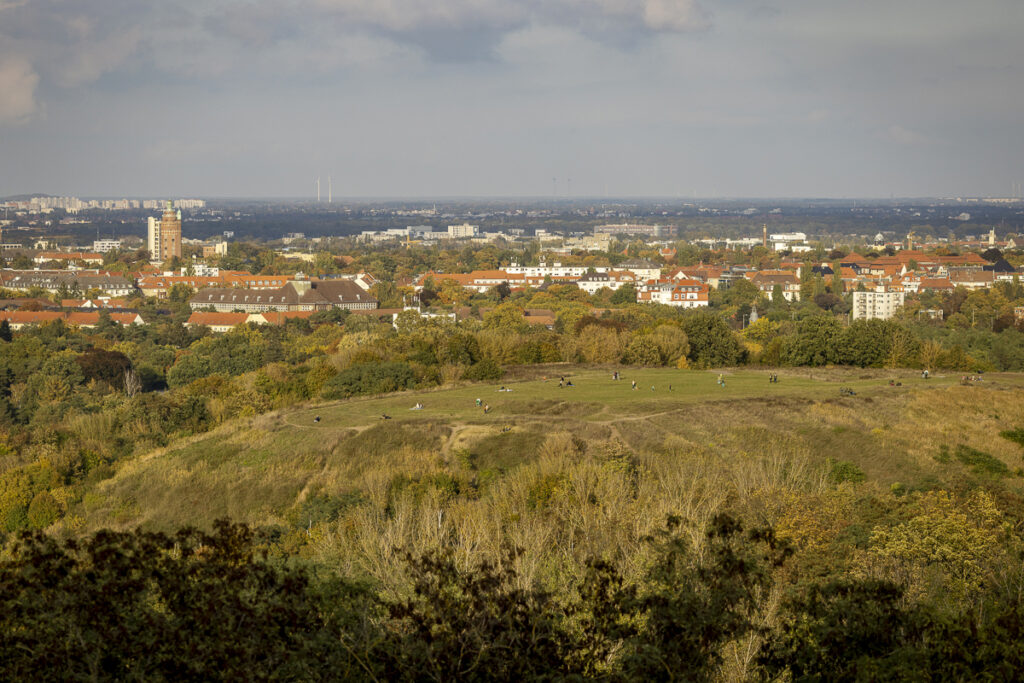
(980, 462)
(1014, 435)
(370, 378)
(842, 471)
(43, 510)
(483, 371)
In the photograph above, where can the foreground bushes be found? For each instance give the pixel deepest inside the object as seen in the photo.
(218, 606)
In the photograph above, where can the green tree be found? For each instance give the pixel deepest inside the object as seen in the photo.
(712, 343)
(626, 294)
(816, 342)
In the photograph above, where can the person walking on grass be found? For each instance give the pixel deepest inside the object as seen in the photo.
(634, 385)
(721, 380)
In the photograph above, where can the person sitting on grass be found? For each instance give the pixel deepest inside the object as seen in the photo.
(569, 384)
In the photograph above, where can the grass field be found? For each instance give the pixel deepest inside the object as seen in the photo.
(594, 396)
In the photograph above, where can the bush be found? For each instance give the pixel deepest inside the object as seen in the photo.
(483, 371)
(370, 378)
(43, 510)
(845, 471)
(980, 462)
(1014, 435)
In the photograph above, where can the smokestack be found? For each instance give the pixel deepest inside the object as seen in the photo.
(764, 235)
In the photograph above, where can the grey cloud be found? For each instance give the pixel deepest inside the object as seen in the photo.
(18, 83)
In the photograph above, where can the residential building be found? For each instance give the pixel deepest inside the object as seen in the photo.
(215, 250)
(297, 295)
(225, 322)
(69, 256)
(674, 292)
(56, 280)
(463, 231)
(160, 285)
(642, 268)
(767, 280)
(20, 319)
(880, 304)
(613, 279)
(633, 229)
(103, 246)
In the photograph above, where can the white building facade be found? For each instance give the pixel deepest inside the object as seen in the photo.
(880, 304)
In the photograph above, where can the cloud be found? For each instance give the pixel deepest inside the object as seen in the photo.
(18, 81)
(905, 136)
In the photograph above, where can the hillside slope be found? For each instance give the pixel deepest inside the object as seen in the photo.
(588, 470)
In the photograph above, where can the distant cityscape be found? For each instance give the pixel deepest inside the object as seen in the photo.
(778, 265)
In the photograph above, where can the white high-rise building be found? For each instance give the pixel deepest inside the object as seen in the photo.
(153, 243)
(881, 303)
(463, 231)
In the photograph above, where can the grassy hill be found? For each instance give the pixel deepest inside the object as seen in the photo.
(588, 470)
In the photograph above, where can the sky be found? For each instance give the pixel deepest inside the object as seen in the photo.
(512, 98)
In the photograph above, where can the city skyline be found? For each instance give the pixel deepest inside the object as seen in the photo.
(617, 98)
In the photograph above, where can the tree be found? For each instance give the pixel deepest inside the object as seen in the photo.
(712, 342)
(642, 350)
(778, 297)
(124, 606)
(867, 343)
(816, 342)
(671, 343)
(599, 344)
(626, 294)
(692, 606)
(5, 331)
(105, 366)
(180, 293)
(507, 316)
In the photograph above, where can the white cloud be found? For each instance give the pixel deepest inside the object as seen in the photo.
(18, 81)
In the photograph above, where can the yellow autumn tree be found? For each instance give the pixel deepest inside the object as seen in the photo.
(948, 545)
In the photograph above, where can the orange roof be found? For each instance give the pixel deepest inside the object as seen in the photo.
(84, 318)
(98, 303)
(68, 256)
(210, 319)
(935, 283)
(279, 317)
(30, 317)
